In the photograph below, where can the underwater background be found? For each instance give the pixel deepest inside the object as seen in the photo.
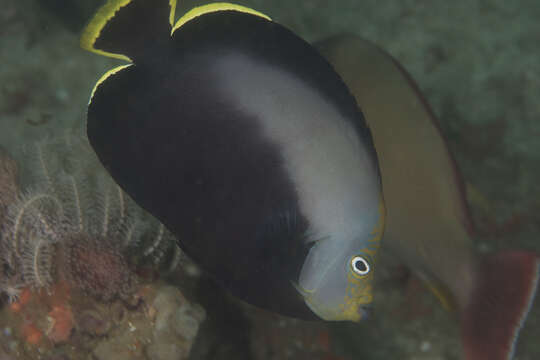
(476, 62)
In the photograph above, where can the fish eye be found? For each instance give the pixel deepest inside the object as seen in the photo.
(360, 265)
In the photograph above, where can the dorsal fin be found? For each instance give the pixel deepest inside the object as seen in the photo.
(122, 29)
(214, 7)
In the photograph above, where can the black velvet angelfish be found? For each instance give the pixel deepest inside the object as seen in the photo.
(242, 139)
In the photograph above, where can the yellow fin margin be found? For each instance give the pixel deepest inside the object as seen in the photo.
(172, 5)
(106, 12)
(205, 9)
(93, 29)
(105, 77)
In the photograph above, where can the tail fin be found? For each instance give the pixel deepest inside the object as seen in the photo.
(123, 28)
(505, 290)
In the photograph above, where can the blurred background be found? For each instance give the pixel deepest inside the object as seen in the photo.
(477, 63)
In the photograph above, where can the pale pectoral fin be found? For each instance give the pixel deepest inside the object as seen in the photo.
(443, 295)
(441, 292)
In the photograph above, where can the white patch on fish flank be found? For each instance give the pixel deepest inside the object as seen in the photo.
(333, 172)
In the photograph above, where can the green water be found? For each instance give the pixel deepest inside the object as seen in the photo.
(477, 63)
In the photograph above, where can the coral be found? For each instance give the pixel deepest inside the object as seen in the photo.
(12, 291)
(61, 324)
(72, 247)
(167, 332)
(20, 300)
(155, 245)
(31, 334)
(73, 223)
(92, 322)
(96, 266)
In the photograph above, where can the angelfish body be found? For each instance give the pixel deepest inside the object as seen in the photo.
(427, 225)
(245, 143)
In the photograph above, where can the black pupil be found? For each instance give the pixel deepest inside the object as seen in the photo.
(360, 266)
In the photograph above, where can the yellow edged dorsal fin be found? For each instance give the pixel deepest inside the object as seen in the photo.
(93, 28)
(205, 9)
(104, 77)
(172, 4)
(109, 11)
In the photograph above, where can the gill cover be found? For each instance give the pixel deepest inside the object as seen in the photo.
(337, 278)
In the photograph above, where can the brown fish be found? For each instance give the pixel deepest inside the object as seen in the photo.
(428, 224)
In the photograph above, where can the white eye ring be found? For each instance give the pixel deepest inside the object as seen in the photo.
(360, 265)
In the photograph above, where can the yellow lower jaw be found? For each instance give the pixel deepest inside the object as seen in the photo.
(344, 312)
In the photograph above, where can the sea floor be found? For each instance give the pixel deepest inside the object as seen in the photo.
(478, 65)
